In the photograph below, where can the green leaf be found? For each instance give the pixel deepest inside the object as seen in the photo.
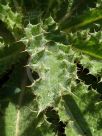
(9, 55)
(87, 42)
(12, 20)
(20, 109)
(87, 18)
(94, 65)
(24, 122)
(82, 112)
(44, 83)
(51, 61)
(90, 105)
(54, 63)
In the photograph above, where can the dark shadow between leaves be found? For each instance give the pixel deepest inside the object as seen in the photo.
(5, 33)
(89, 79)
(53, 118)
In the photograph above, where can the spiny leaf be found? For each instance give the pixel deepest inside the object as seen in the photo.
(81, 112)
(51, 61)
(94, 65)
(87, 42)
(13, 20)
(54, 63)
(89, 103)
(90, 16)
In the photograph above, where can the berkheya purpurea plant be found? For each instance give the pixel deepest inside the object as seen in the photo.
(51, 68)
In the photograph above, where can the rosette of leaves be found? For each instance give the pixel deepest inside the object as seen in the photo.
(48, 66)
